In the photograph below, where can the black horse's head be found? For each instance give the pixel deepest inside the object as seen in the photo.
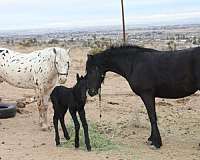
(95, 75)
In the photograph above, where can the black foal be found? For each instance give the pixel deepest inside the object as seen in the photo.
(74, 99)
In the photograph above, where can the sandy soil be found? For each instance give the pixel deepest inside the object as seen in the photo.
(124, 120)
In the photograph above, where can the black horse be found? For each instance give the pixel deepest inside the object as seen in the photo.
(150, 73)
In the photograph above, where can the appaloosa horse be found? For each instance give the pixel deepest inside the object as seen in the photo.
(150, 73)
(40, 70)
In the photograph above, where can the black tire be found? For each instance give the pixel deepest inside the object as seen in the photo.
(7, 110)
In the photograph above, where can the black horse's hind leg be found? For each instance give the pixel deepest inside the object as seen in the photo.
(77, 127)
(62, 122)
(149, 101)
(85, 128)
(55, 123)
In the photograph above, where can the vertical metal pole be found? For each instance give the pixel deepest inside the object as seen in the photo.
(123, 21)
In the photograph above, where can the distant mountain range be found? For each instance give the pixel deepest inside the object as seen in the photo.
(5, 33)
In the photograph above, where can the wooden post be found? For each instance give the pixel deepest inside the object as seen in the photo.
(123, 22)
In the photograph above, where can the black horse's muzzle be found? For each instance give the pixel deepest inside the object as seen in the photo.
(92, 92)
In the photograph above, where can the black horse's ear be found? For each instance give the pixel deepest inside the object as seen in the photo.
(77, 77)
(54, 50)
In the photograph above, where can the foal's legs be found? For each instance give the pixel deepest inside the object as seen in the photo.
(149, 101)
(77, 127)
(55, 123)
(85, 128)
(62, 122)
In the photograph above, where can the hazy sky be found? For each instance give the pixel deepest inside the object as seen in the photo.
(27, 14)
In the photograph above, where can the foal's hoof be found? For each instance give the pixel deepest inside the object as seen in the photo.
(67, 138)
(89, 149)
(58, 144)
(76, 146)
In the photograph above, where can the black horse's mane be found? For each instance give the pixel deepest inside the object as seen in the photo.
(131, 49)
(137, 48)
(124, 50)
(126, 46)
(115, 50)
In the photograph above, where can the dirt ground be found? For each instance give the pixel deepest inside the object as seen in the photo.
(124, 120)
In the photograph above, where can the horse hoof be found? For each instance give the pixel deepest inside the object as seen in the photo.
(149, 143)
(45, 128)
(67, 138)
(153, 147)
(89, 149)
(58, 145)
(76, 146)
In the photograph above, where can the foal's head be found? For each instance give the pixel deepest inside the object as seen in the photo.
(81, 88)
(61, 63)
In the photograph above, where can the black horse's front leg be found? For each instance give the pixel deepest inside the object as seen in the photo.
(149, 101)
(85, 128)
(77, 127)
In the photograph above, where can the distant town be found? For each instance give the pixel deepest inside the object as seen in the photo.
(159, 37)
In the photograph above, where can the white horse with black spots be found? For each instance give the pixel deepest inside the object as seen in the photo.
(40, 70)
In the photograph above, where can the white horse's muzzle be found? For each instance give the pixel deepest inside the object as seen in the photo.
(62, 79)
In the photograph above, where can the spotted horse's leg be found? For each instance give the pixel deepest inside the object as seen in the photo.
(46, 98)
(42, 108)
